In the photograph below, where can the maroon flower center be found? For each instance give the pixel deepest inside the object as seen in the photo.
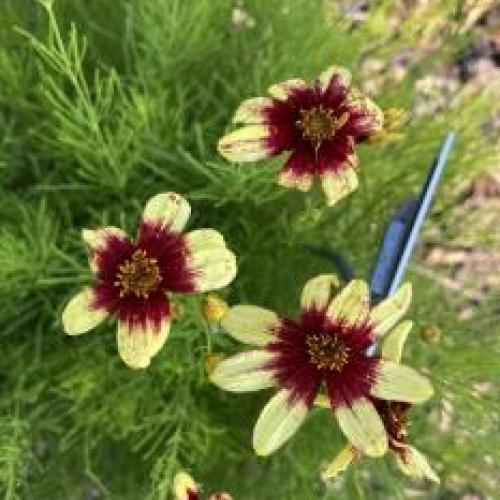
(139, 275)
(327, 352)
(319, 124)
(315, 352)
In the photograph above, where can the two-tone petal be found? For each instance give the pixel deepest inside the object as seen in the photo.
(252, 111)
(337, 184)
(81, 314)
(282, 91)
(293, 175)
(280, 419)
(167, 210)
(212, 264)
(99, 241)
(367, 118)
(184, 487)
(250, 143)
(138, 344)
(342, 76)
(362, 426)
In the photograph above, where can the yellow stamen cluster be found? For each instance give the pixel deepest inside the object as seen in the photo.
(139, 275)
(327, 351)
(319, 124)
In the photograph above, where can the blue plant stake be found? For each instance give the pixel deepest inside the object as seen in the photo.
(403, 231)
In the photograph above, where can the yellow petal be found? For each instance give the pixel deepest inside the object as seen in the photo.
(203, 239)
(79, 315)
(184, 486)
(248, 143)
(138, 345)
(394, 341)
(414, 463)
(278, 422)
(252, 110)
(317, 291)
(214, 268)
(352, 304)
(167, 210)
(340, 463)
(290, 179)
(281, 91)
(244, 372)
(363, 427)
(337, 185)
(343, 75)
(386, 314)
(396, 382)
(251, 324)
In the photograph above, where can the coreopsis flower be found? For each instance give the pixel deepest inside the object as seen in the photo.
(185, 488)
(318, 124)
(135, 279)
(324, 349)
(394, 415)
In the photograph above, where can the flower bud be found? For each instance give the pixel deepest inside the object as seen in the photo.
(431, 334)
(214, 308)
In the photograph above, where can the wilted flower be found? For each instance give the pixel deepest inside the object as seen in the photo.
(134, 280)
(324, 349)
(319, 124)
(185, 488)
(394, 415)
